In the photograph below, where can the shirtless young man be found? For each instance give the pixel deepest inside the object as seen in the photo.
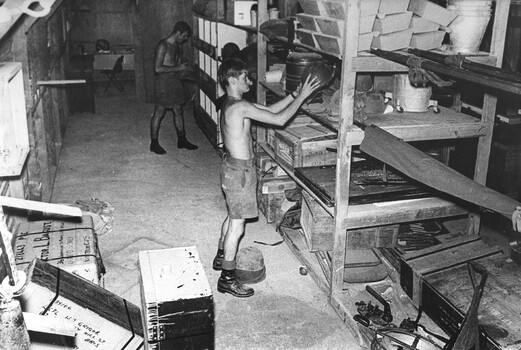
(516, 219)
(238, 175)
(171, 90)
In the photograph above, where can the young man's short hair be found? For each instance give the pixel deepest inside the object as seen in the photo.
(182, 27)
(232, 67)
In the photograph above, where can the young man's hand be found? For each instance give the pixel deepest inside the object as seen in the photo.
(186, 67)
(516, 219)
(310, 85)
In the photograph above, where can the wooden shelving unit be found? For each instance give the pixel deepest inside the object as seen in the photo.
(448, 124)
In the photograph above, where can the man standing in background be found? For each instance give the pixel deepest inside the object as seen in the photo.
(172, 74)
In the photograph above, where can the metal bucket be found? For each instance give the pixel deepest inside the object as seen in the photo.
(409, 98)
(468, 29)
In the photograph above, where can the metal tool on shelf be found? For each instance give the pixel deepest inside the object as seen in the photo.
(426, 64)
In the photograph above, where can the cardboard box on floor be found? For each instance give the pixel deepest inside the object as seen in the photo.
(103, 320)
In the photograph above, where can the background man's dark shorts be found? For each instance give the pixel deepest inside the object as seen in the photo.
(239, 183)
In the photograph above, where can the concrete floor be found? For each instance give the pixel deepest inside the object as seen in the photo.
(175, 200)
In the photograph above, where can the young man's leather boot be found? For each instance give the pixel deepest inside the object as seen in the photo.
(218, 260)
(228, 284)
(182, 142)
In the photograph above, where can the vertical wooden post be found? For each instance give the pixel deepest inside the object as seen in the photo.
(489, 102)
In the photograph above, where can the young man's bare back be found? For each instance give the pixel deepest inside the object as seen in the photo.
(238, 175)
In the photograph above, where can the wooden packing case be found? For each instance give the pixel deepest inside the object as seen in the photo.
(305, 145)
(417, 265)
(177, 301)
(71, 245)
(102, 319)
(318, 227)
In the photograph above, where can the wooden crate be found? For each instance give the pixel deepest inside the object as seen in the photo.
(432, 12)
(393, 41)
(392, 23)
(70, 245)
(318, 227)
(305, 146)
(427, 40)
(14, 137)
(269, 184)
(176, 299)
(271, 204)
(103, 320)
(418, 265)
(271, 196)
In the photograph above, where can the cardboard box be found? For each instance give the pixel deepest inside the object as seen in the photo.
(305, 146)
(307, 37)
(427, 40)
(393, 41)
(330, 44)
(422, 25)
(392, 6)
(312, 7)
(392, 23)
(432, 12)
(69, 245)
(177, 300)
(337, 8)
(307, 21)
(103, 320)
(238, 12)
(318, 227)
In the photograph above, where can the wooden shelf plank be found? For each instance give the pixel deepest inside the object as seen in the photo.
(410, 126)
(386, 213)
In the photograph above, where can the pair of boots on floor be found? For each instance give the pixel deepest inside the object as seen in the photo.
(228, 282)
(182, 142)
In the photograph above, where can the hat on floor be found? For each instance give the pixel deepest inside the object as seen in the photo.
(250, 266)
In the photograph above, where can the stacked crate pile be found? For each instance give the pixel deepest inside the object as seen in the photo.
(273, 182)
(384, 24)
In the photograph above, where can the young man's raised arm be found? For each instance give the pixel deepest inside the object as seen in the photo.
(281, 112)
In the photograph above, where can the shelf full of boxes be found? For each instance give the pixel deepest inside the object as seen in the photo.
(347, 30)
(214, 27)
